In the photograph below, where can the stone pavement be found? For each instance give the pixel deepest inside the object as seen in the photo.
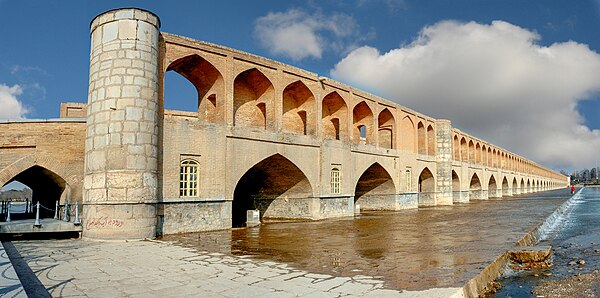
(86, 268)
(10, 285)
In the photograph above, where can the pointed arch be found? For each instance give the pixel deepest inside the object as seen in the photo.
(471, 151)
(386, 129)
(334, 117)
(362, 120)
(268, 186)
(431, 141)
(207, 81)
(407, 129)
(426, 188)
(484, 154)
(253, 99)
(421, 138)
(515, 186)
(299, 107)
(455, 148)
(478, 153)
(374, 186)
(505, 187)
(475, 183)
(464, 150)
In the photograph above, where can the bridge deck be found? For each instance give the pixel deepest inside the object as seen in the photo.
(48, 225)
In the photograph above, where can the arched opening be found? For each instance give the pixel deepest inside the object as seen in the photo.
(492, 188)
(458, 196)
(464, 150)
(431, 141)
(484, 155)
(421, 142)
(46, 187)
(362, 117)
(490, 157)
(528, 186)
(505, 189)
(426, 188)
(478, 153)
(475, 190)
(298, 109)
(522, 186)
(494, 159)
(207, 81)
(515, 187)
(253, 98)
(386, 129)
(407, 128)
(471, 151)
(455, 148)
(271, 182)
(334, 117)
(374, 188)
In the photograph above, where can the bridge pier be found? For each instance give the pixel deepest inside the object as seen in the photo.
(460, 196)
(443, 158)
(478, 194)
(389, 202)
(494, 193)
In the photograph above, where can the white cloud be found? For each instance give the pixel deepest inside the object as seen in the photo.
(298, 35)
(10, 106)
(493, 81)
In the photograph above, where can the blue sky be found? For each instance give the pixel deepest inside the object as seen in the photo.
(45, 47)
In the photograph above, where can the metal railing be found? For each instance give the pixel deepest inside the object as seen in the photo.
(60, 211)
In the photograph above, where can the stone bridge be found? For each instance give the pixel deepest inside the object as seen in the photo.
(265, 136)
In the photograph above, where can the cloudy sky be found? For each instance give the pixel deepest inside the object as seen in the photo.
(524, 75)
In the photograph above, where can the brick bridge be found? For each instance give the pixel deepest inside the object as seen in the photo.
(265, 136)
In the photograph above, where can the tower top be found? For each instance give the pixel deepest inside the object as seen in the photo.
(126, 13)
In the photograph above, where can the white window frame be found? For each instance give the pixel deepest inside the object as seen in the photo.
(188, 179)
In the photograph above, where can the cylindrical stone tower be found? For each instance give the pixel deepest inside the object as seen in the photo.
(443, 160)
(120, 176)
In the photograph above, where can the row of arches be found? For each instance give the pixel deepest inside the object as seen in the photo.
(271, 184)
(506, 186)
(256, 102)
(472, 151)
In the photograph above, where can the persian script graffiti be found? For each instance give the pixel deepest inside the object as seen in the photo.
(104, 222)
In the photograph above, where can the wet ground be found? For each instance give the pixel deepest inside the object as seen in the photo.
(575, 238)
(410, 250)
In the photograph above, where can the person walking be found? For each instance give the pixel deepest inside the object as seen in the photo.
(572, 189)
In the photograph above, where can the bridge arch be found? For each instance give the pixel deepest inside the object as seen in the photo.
(407, 129)
(362, 118)
(299, 108)
(464, 150)
(478, 153)
(426, 188)
(515, 186)
(386, 129)
(253, 99)
(334, 117)
(528, 186)
(374, 183)
(208, 82)
(505, 187)
(431, 141)
(421, 138)
(49, 181)
(492, 187)
(268, 186)
(455, 148)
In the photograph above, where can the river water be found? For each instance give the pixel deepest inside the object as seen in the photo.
(417, 249)
(575, 237)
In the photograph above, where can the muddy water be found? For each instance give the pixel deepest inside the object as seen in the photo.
(412, 249)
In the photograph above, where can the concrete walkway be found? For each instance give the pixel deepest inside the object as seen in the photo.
(157, 269)
(10, 285)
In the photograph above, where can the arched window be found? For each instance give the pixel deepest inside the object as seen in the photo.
(336, 181)
(188, 179)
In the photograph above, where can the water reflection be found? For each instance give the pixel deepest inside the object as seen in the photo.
(412, 249)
